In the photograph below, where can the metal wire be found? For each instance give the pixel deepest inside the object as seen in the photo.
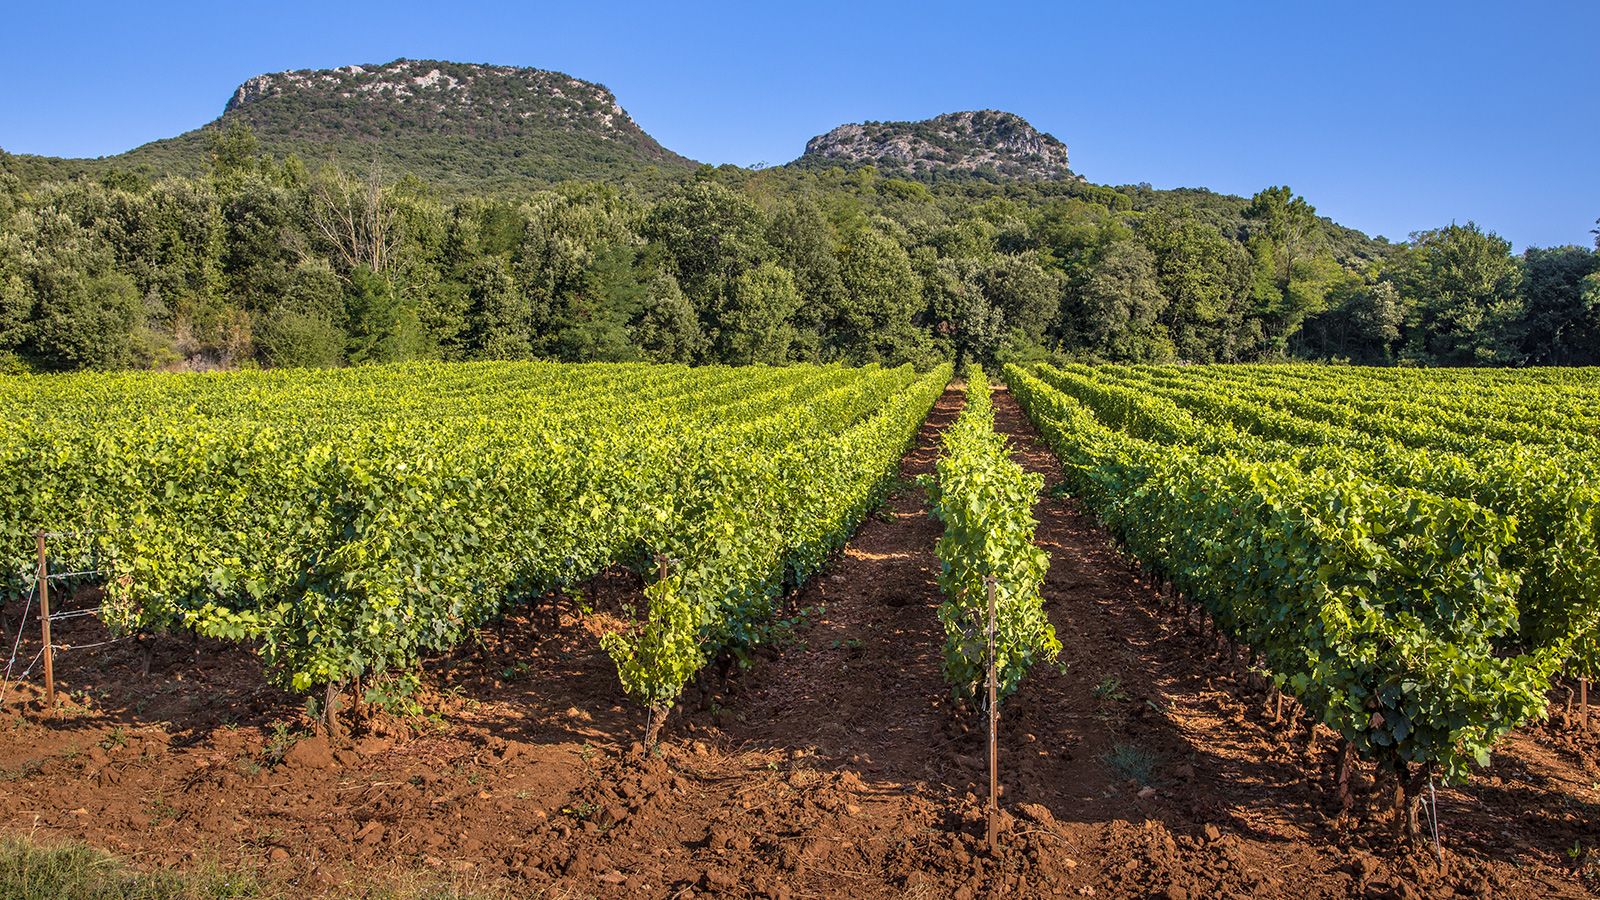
(1433, 819)
(60, 647)
(73, 614)
(5, 686)
(34, 662)
(21, 627)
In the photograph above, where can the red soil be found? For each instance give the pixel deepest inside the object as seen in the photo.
(836, 766)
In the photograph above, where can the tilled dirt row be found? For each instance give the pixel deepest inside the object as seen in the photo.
(1139, 765)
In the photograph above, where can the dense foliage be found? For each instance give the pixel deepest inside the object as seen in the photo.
(345, 522)
(985, 501)
(266, 261)
(1520, 445)
(1413, 572)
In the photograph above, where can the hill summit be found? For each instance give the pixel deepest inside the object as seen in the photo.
(465, 123)
(981, 143)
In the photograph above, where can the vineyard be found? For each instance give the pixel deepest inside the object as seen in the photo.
(344, 523)
(986, 503)
(1108, 615)
(1410, 556)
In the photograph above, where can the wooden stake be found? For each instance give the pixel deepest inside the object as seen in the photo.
(994, 727)
(657, 716)
(1347, 765)
(330, 711)
(1583, 702)
(44, 627)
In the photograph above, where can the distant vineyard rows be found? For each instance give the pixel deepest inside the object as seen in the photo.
(344, 522)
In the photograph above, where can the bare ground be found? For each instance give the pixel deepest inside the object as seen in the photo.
(1142, 765)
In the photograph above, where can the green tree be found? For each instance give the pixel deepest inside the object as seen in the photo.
(261, 232)
(303, 329)
(803, 242)
(168, 239)
(1289, 282)
(756, 325)
(882, 297)
(85, 321)
(16, 300)
(289, 339)
(711, 235)
(667, 329)
(1460, 284)
(965, 325)
(1025, 294)
(233, 150)
(599, 315)
(1362, 322)
(381, 326)
(1205, 278)
(10, 193)
(556, 265)
(1115, 311)
(1560, 320)
(497, 312)
(1286, 223)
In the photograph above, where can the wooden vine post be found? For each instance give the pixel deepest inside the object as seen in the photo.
(994, 727)
(1583, 702)
(44, 626)
(330, 712)
(656, 714)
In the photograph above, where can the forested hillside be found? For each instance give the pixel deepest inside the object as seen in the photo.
(432, 210)
(462, 127)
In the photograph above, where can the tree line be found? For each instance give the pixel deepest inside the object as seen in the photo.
(273, 262)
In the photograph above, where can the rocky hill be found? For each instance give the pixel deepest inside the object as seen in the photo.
(471, 126)
(983, 143)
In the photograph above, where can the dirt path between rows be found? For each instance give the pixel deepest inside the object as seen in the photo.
(1229, 805)
(835, 766)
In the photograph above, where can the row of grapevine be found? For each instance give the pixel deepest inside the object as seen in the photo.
(1552, 494)
(985, 501)
(345, 523)
(1385, 609)
(767, 520)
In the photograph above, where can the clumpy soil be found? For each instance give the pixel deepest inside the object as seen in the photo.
(1144, 763)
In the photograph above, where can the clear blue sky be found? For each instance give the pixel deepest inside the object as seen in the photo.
(1389, 117)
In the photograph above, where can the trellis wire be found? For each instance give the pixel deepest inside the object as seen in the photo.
(5, 686)
(1433, 820)
(57, 575)
(22, 625)
(17, 645)
(31, 663)
(117, 640)
(75, 613)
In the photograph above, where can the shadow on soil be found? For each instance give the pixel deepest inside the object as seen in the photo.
(1138, 735)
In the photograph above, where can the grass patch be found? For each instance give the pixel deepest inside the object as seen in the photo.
(1131, 763)
(69, 871)
(30, 871)
(23, 771)
(1109, 690)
